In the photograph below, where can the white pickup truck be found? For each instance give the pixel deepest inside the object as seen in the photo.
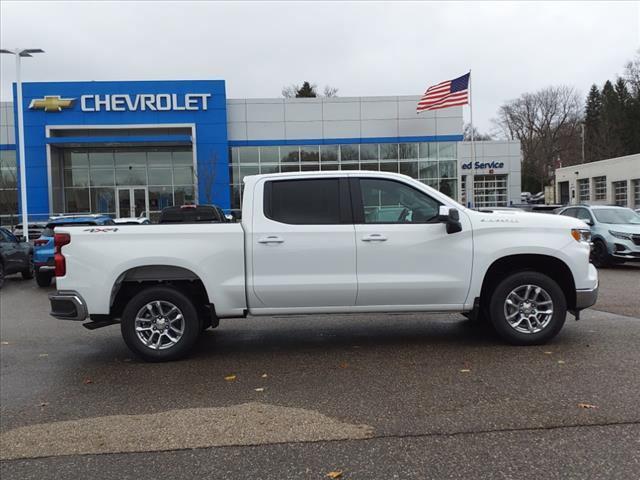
(326, 242)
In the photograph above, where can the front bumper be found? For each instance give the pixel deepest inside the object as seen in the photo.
(586, 298)
(68, 305)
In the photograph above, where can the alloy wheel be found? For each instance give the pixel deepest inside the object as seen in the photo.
(159, 325)
(528, 309)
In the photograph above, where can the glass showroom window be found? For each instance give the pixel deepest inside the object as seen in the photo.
(619, 193)
(636, 192)
(8, 186)
(87, 180)
(490, 191)
(432, 163)
(583, 190)
(599, 188)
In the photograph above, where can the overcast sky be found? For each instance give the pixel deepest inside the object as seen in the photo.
(362, 48)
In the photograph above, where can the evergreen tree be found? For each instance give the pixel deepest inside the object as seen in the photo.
(613, 122)
(630, 128)
(593, 125)
(306, 91)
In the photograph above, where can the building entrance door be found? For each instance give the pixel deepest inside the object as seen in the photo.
(132, 202)
(564, 192)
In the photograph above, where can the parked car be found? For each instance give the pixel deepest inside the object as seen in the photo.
(35, 229)
(16, 256)
(193, 214)
(615, 232)
(43, 252)
(326, 242)
(132, 221)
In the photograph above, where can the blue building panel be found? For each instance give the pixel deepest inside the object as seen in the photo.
(130, 105)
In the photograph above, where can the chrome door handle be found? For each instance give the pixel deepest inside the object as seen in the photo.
(374, 237)
(271, 239)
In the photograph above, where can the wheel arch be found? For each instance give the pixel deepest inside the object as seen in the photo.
(548, 265)
(135, 279)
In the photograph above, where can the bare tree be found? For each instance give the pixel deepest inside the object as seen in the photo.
(206, 179)
(632, 74)
(547, 123)
(330, 91)
(476, 134)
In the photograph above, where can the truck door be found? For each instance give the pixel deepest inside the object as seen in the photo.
(303, 244)
(405, 256)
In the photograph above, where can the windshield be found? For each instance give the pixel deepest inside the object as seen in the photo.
(618, 216)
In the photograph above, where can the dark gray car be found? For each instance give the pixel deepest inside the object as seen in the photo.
(16, 256)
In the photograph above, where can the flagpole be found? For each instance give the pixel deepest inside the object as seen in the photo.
(470, 177)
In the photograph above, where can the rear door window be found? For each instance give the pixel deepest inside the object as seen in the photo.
(314, 201)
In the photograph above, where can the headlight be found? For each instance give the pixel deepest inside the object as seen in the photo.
(581, 234)
(621, 235)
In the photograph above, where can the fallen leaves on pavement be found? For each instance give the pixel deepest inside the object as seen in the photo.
(335, 474)
(230, 378)
(87, 381)
(586, 405)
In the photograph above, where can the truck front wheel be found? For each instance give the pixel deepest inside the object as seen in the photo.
(528, 308)
(160, 324)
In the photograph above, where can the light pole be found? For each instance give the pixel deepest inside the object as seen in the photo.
(22, 52)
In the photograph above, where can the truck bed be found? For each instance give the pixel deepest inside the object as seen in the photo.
(101, 257)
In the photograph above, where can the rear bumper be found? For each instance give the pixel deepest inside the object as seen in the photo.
(68, 305)
(45, 264)
(586, 298)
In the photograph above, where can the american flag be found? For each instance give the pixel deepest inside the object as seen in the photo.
(446, 94)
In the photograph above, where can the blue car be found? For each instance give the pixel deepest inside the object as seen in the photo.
(43, 251)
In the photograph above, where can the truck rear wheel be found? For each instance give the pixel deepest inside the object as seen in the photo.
(528, 308)
(160, 324)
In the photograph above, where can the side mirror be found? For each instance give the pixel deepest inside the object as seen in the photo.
(589, 222)
(451, 218)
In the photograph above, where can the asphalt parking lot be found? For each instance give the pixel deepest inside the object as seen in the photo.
(367, 396)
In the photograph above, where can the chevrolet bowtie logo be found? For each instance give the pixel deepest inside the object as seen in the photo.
(51, 103)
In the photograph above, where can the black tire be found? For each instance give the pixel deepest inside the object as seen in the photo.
(191, 324)
(43, 279)
(29, 272)
(519, 280)
(600, 255)
(1, 274)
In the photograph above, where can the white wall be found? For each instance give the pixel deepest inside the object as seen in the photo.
(338, 117)
(507, 152)
(7, 126)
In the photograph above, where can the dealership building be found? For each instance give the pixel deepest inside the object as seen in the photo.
(132, 148)
(614, 181)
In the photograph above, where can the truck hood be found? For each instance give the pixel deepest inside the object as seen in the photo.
(524, 220)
